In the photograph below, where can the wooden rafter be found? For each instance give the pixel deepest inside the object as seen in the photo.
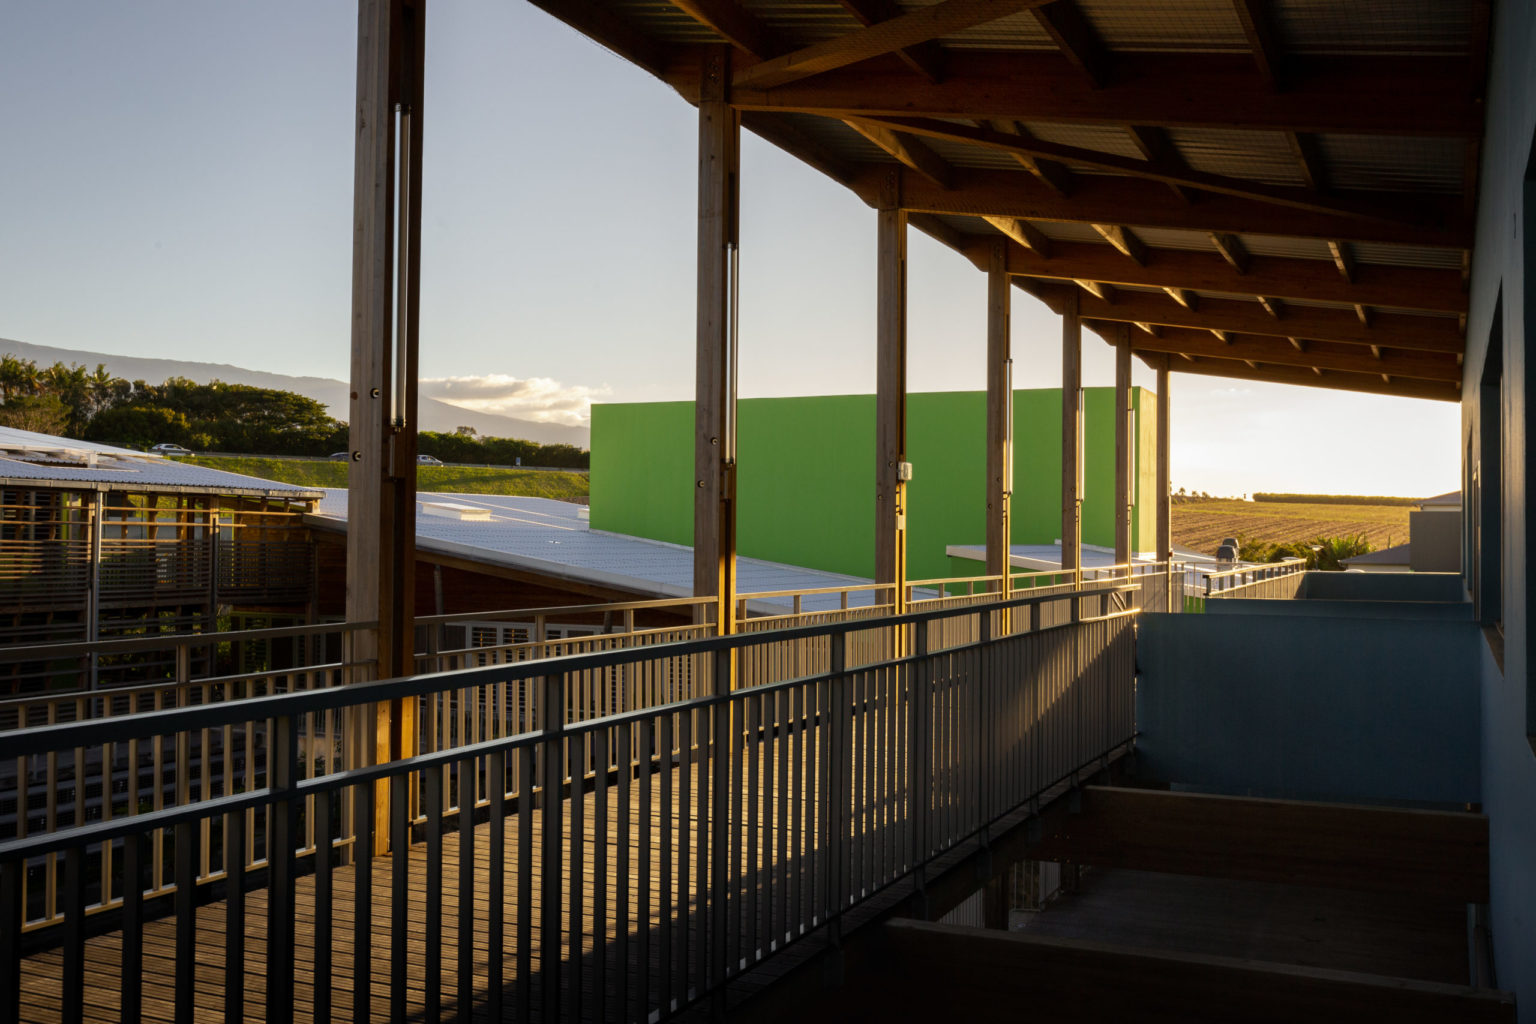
(1232, 250)
(736, 25)
(1098, 288)
(1124, 240)
(911, 152)
(1273, 306)
(1058, 177)
(1101, 199)
(907, 30)
(1428, 289)
(1406, 331)
(1158, 148)
(927, 59)
(1184, 297)
(1309, 158)
(1025, 234)
(1261, 40)
(1065, 23)
(1343, 258)
(1170, 169)
(1369, 383)
(1359, 95)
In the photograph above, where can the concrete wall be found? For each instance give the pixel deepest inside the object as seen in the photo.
(1502, 264)
(806, 486)
(1296, 706)
(1435, 541)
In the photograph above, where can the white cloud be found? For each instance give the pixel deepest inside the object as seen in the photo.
(531, 398)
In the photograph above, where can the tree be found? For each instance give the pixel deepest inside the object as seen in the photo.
(43, 414)
(140, 426)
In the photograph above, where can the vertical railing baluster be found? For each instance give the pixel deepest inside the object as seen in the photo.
(666, 841)
(719, 825)
(399, 893)
(432, 898)
(600, 835)
(234, 916)
(12, 910)
(496, 883)
(576, 891)
(186, 922)
(131, 1007)
(468, 772)
(282, 821)
(362, 902)
(835, 769)
(919, 763)
(552, 885)
(72, 1007)
(625, 812)
(644, 883)
(524, 1000)
(320, 828)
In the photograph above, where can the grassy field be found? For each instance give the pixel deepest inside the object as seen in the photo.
(460, 479)
(1203, 523)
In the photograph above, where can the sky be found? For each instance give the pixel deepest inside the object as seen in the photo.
(176, 177)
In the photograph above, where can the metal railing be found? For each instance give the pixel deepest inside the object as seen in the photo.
(636, 861)
(1272, 580)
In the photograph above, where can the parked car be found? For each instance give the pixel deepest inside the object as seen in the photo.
(169, 449)
(341, 456)
(428, 460)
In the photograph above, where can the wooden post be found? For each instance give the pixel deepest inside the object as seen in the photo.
(1071, 435)
(891, 394)
(999, 416)
(714, 506)
(386, 261)
(1125, 445)
(1164, 479)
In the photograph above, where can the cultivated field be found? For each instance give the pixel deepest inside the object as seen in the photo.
(1202, 524)
(533, 483)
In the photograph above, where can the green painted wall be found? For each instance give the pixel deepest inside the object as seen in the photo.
(806, 480)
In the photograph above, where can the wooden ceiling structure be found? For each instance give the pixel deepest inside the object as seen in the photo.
(1274, 190)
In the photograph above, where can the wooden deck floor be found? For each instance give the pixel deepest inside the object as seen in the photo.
(785, 891)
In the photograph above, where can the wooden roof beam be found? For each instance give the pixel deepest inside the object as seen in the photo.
(1274, 307)
(1368, 383)
(1158, 148)
(911, 152)
(899, 33)
(737, 25)
(1232, 250)
(1184, 297)
(927, 59)
(1343, 258)
(1025, 234)
(1058, 177)
(1309, 157)
(1429, 289)
(1101, 199)
(1169, 170)
(1099, 289)
(1420, 97)
(1262, 40)
(1125, 240)
(1070, 30)
(1396, 331)
(1364, 313)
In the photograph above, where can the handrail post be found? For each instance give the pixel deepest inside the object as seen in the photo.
(552, 727)
(919, 766)
(283, 775)
(719, 825)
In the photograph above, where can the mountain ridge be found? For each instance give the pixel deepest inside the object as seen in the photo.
(434, 414)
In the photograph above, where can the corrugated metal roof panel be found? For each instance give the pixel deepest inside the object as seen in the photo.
(1166, 25)
(1394, 163)
(1068, 231)
(664, 21)
(1174, 238)
(1103, 138)
(1275, 245)
(963, 154)
(1020, 31)
(1373, 26)
(803, 21)
(838, 139)
(1256, 156)
(1406, 255)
